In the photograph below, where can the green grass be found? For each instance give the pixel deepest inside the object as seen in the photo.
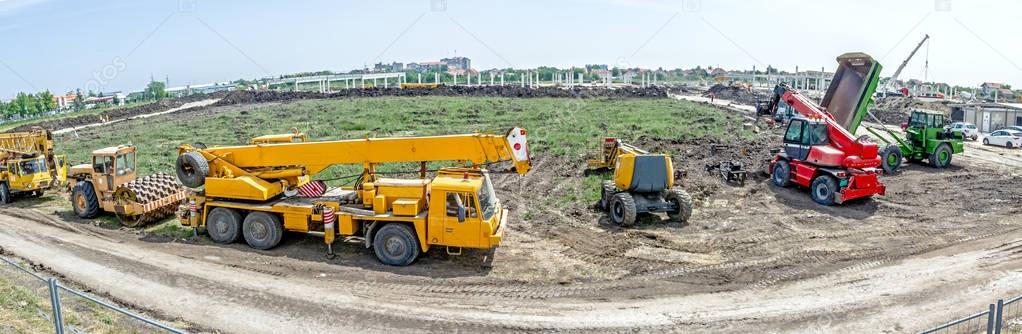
(170, 228)
(558, 127)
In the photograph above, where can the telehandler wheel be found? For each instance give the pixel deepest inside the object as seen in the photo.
(84, 201)
(5, 193)
(192, 169)
(823, 189)
(683, 201)
(892, 158)
(941, 157)
(781, 175)
(395, 244)
(263, 230)
(223, 225)
(606, 192)
(622, 209)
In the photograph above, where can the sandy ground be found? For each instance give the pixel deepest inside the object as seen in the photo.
(941, 244)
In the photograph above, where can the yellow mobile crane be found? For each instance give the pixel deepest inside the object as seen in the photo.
(643, 183)
(28, 165)
(258, 191)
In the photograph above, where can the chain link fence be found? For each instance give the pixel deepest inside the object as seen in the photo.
(997, 318)
(36, 300)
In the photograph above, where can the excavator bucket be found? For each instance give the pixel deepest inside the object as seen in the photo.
(850, 92)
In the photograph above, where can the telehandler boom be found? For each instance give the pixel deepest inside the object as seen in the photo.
(28, 164)
(258, 191)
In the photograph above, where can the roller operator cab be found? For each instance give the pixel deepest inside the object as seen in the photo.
(110, 183)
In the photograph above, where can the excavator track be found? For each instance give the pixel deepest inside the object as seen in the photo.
(146, 190)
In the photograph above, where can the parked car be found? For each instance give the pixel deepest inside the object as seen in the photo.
(968, 130)
(1006, 138)
(1012, 128)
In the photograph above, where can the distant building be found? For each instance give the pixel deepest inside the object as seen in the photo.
(457, 62)
(392, 67)
(65, 101)
(989, 87)
(988, 117)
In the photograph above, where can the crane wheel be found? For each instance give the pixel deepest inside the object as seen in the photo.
(892, 158)
(395, 244)
(262, 230)
(683, 201)
(84, 202)
(606, 192)
(192, 169)
(5, 193)
(941, 157)
(223, 225)
(622, 209)
(781, 175)
(823, 189)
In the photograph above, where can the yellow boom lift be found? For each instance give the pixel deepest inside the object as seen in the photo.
(643, 183)
(259, 191)
(28, 165)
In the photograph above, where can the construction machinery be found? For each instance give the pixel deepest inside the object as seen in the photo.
(888, 87)
(110, 183)
(926, 137)
(259, 191)
(28, 165)
(643, 183)
(820, 150)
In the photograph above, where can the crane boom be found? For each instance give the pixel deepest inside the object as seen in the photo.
(271, 166)
(894, 78)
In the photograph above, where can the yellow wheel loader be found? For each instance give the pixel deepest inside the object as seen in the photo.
(643, 183)
(257, 192)
(28, 165)
(110, 184)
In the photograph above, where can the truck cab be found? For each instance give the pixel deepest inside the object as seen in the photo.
(471, 216)
(32, 175)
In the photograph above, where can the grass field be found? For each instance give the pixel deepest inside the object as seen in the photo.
(557, 127)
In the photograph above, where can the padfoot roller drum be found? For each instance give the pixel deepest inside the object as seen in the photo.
(154, 193)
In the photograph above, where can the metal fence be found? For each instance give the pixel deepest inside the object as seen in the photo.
(54, 287)
(991, 321)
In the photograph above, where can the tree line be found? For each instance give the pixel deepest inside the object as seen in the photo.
(28, 105)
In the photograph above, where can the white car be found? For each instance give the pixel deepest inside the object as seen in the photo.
(968, 130)
(1006, 138)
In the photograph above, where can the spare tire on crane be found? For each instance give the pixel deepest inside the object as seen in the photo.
(192, 169)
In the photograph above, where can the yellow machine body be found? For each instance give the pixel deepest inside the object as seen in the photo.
(624, 158)
(111, 175)
(265, 178)
(28, 163)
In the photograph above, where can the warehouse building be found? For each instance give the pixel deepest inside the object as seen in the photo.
(988, 117)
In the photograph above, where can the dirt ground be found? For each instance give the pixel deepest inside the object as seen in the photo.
(752, 257)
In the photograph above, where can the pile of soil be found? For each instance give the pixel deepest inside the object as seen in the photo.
(242, 97)
(742, 95)
(120, 113)
(894, 110)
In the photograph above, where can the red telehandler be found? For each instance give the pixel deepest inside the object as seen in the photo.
(819, 153)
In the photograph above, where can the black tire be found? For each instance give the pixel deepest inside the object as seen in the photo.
(5, 193)
(683, 201)
(622, 209)
(823, 189)
(223, 225)
(974, 137)
(395, 244)
(606, 192)
(986, 141)
(1009, 145)
(192, 169)
(781, 175)
(891, 158)
(941, 157)
(84, 202)
(262, 230)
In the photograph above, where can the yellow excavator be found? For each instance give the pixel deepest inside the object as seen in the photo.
(109, 183)
(643, 183)
(256, 192)
(28, 165)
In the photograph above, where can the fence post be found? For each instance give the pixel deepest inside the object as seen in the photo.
(58, 318)
(1000, 314)
(990, 319)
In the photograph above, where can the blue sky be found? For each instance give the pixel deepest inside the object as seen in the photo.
(117, 45)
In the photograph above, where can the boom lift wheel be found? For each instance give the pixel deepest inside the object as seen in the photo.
(84, 201)
(781, 175)
(223, 225)
(823, 189)
(941, 157)
(622, 209)
(262, 230)
(683, 201)
(892, 158)
(395, 244)
(5, 193)
(605, 194)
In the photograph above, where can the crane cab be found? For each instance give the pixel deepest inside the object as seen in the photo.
(465, 211)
